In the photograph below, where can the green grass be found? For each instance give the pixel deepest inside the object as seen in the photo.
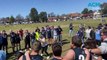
(63, 24)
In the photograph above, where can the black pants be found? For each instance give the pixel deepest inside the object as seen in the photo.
(44, 49)
(5, 48)
(0, 46)
(27, 44)
(18, 46)
(13, 46)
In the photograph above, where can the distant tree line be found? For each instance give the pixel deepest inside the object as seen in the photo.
(36, 17)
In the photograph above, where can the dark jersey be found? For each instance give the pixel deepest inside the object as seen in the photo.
(59, 30)
(33, 35)
(1, 39)
(79, 54)
(34, 57)
(5, 39)
(49, 33)
(43, 33)
(18, 39)
(12, 37)
(27, 37)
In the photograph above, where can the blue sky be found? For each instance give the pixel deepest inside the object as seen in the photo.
(15, 7)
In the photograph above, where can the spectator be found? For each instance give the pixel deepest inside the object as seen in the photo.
(5, 42)
(92, 33)
(34, 53)
(57, 50)
(52, 34)
(44, 45)
(18, 39)
(103, 48)
(59, 33)
(55, 36)
(77, 53)
(37, 34)
(98, 36)
(88, 30)
(37, 29)
(1, 41)
(81, 34)
(21, 34)
(91, 44)
(12, 38)
(49, 36)
(70, 29)
(27, 39)
(100, 26)
(33, 37)
(2, 55)
(43, 32)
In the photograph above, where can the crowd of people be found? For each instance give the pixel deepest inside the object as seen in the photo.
(87, 44)
(46, 35)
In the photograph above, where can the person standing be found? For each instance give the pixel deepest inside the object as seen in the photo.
(49, 36)
(55, 36)
(12, 38)
(18, 39)
(81, 34)
(76, 52)
(70, 29)
(44, 46)
(87, 31)
(33, 37)
(43, 32)
(33, 54)
(27, 39)
(59, 34)
(1, 41)
(21, 34)
(2, 55)
(102, 49)
(37, 34)
(5, 42)
(98, 36)
(92, 33)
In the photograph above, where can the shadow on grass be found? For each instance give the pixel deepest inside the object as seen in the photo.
(13, 55)
(65, 41)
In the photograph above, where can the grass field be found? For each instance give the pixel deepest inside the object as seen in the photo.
(63, 24)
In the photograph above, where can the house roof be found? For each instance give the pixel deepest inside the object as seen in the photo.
(74, 14)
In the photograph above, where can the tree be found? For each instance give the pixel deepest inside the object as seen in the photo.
(34, 15)
(51, 14)
(85, 11)
(27, 18)
(43, 16)
(103, 8)
(19, 18)
(11, 20)
(58, 17)
(90, 11)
